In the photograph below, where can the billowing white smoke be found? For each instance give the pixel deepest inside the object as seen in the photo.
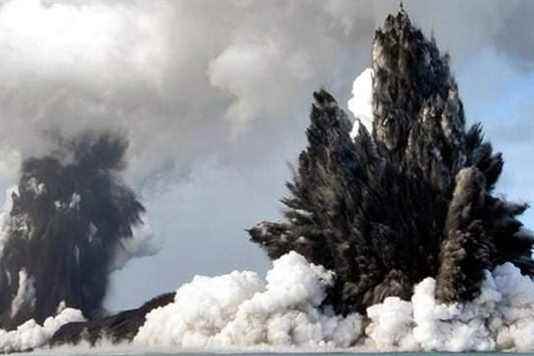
(241, 310)
(40, 37)
(141, 244)
(361, 102)
(31, 335)
(501, 318)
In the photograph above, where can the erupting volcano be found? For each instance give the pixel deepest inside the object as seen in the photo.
(70, 215)
(409, 200)
(392, 236)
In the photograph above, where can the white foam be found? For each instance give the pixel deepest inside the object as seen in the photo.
(31, 335)
(241, 310)
(25, 293)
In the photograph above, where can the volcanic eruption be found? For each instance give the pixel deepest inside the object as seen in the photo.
(409, 200)
(70, 214)
(391, 236)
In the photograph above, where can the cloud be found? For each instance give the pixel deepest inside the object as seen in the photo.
(361, 102)
(241, 310)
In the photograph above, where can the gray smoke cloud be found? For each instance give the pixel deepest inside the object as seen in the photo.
(214, 96)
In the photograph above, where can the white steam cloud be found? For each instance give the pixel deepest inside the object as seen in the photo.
(361, 102)
(140, 244)
(245, 71)
(241, 311)
(31, 335)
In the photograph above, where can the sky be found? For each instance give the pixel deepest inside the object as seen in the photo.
(214, 96)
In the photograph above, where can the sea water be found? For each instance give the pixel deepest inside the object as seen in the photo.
(165, 353)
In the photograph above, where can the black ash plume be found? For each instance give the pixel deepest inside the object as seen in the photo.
(71, 211)
(411, 200)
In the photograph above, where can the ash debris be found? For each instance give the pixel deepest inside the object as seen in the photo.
(69, 214)
(409, 200)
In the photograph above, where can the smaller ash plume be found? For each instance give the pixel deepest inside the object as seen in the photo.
(70, 215)
(411, 199)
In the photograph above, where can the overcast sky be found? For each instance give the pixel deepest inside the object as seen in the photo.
(214, 96)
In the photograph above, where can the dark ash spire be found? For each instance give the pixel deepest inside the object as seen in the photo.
(413, 199)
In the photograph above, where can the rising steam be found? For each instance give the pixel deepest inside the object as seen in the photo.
(288, 311)
(401, 245)
(392, 238)
(241, 310)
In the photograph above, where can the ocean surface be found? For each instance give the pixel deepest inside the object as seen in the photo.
(136, 353)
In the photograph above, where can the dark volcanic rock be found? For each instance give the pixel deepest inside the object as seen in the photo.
(69, 215)
(408, 201)
(117, 328)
